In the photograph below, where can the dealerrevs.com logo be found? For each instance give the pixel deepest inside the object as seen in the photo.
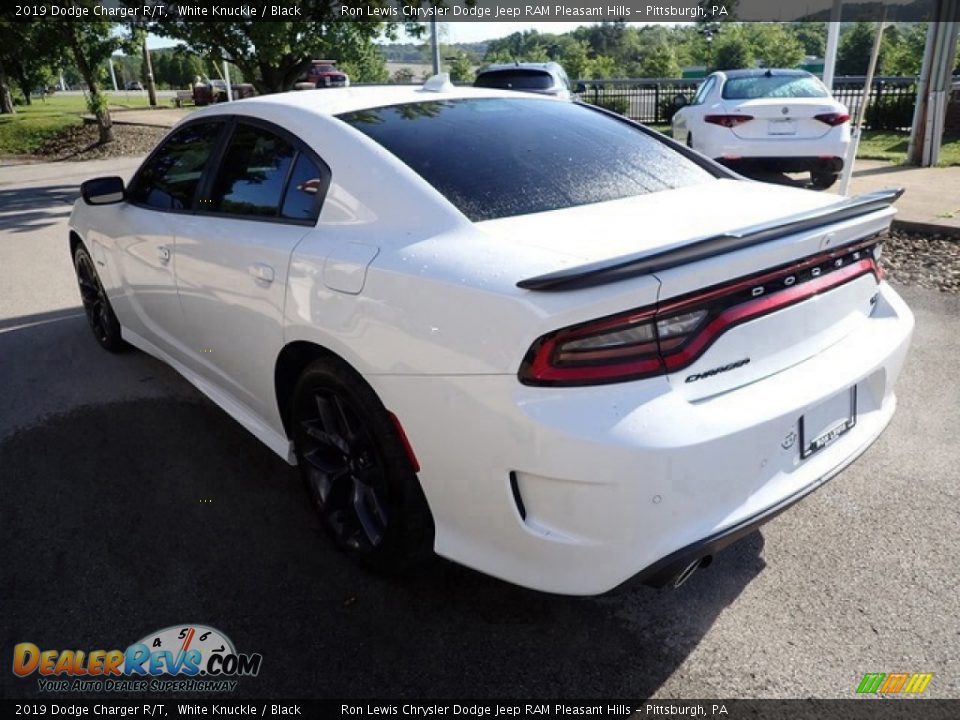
(180, 658)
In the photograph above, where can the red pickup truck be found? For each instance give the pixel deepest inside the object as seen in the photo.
(324, 74)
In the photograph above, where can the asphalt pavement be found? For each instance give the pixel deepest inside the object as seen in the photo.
(129, 503)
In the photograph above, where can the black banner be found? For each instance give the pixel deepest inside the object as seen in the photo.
(465, 10)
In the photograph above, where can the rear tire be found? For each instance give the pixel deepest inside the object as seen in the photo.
(823, 180)
(100, 316)
(357, 472)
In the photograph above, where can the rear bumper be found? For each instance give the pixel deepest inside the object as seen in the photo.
(664, 571)
(824, 164)
(721, 143)
(611, 481)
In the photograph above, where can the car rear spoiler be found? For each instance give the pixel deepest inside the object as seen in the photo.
(645, 263)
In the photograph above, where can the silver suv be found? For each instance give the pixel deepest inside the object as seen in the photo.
(548, 78)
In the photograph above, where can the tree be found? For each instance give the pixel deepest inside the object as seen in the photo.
(731, 51)
(773, 44)
(461, 68)
(6, 99)
(26, 51)
(903, 53)
(403, 75)
(660, 62)
(574, 58)
(853, 54)
(602, 67)
(274, 55)
(90, 43)
(812, 36)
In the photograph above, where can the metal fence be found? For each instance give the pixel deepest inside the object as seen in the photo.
(652, 100)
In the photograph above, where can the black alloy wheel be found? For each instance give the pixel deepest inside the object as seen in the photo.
(356, 470)
(96, 305)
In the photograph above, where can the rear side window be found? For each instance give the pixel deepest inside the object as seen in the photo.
(773, 86)
(704, 90)
(497, 157)
(170, 177)
(251, 177)
(515, 80)
(308, 184)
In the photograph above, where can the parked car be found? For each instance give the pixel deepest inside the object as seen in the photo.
(547, 78)
(325, 74)
(782, 120)
(553, 371)
(134, 85)
(207, 92)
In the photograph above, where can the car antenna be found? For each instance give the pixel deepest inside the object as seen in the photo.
(438, 83)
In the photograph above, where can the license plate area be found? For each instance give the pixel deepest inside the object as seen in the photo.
(782, 126)
(823, 424)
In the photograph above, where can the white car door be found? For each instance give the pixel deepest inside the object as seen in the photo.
(687, 119)
(233, 256)
(144, 234)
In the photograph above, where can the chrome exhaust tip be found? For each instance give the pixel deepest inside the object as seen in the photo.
(688, 570)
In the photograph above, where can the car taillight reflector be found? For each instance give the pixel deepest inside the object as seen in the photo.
(651, 341)
(832, 119)
(727, 121)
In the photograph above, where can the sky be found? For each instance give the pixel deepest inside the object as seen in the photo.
(455, 32)
(476, 31)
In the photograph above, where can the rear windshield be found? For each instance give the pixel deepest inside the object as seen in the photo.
(515, 80)
(774, 86)
(497, 157)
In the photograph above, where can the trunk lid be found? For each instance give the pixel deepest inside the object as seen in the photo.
(817, 290)
(781, 118)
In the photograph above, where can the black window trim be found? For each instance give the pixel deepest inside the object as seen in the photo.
(217, 119)
(215, 161)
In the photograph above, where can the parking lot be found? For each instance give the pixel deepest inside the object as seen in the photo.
(129, 503)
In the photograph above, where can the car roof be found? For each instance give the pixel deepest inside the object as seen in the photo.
(547, 67)
(761, 72)
(335, 101)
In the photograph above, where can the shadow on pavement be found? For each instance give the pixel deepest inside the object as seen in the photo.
(25, 209)
(121, 518)
(40, 318)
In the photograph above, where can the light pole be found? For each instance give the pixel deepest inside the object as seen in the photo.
(436, 47)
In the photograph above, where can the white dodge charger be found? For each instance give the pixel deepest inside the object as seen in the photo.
(524, 333)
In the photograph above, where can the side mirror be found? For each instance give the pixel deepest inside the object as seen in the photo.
(581, 88)
(102, 191)
(679, 100)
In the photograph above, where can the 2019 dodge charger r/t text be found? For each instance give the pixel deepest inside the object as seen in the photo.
(781, 120)
(528, 334)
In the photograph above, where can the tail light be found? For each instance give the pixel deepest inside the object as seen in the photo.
(832, 119)
(727, 121)
(656, 340)
(622, 347)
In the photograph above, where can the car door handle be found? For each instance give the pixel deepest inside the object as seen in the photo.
(164, 252)
(262, 271)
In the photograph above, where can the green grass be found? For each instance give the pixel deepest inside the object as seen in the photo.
(33, 125)
(892, 147)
